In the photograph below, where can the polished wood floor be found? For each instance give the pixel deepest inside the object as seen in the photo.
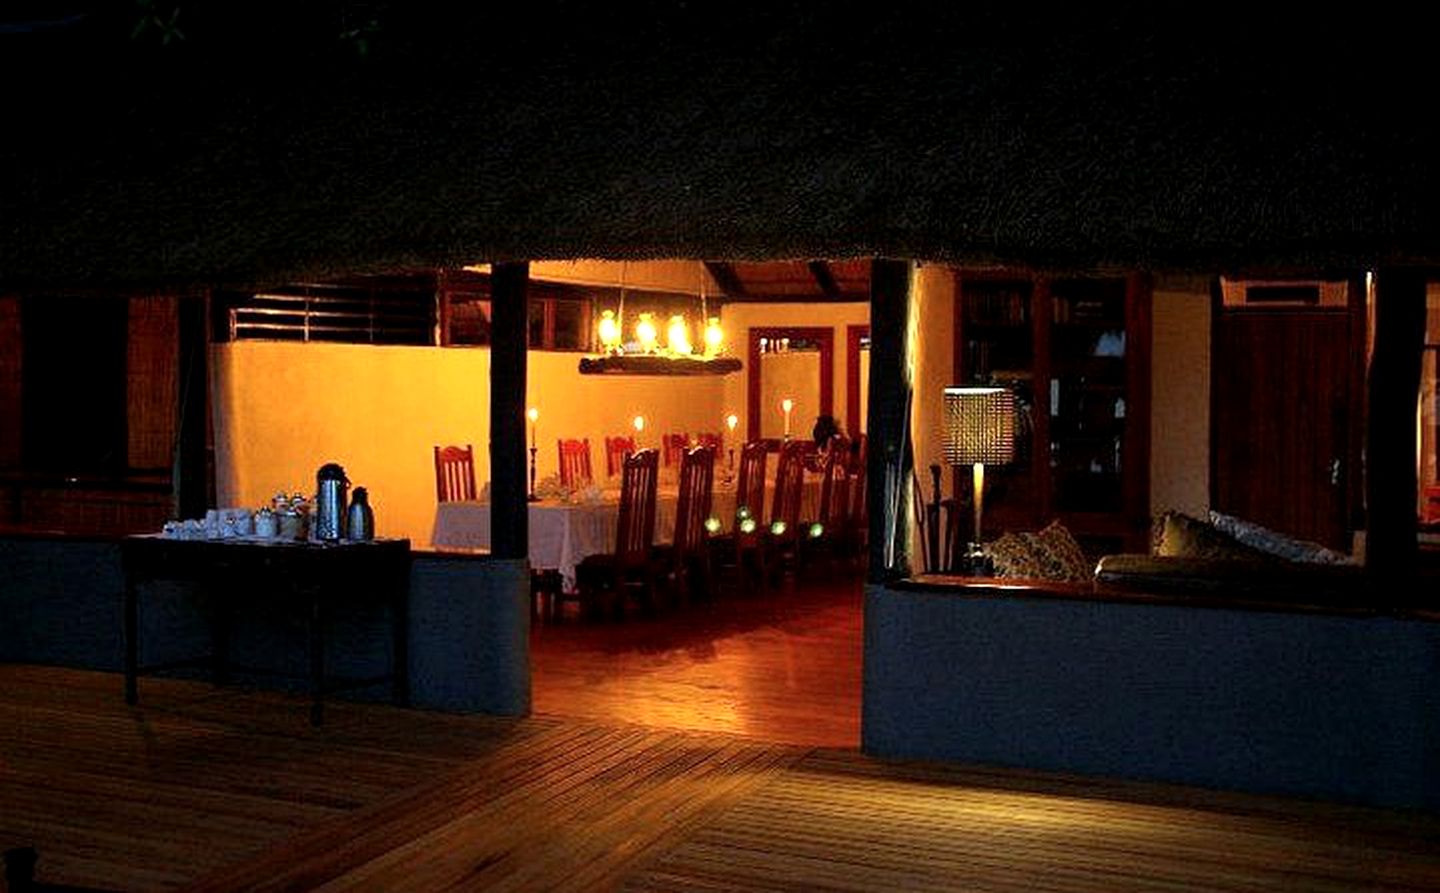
(780, 666)
(227, 790)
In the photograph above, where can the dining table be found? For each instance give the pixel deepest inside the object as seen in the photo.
(565, 530)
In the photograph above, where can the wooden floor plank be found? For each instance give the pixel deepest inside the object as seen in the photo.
(232, 790)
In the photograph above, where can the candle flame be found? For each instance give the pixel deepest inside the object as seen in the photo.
(532, 414)
(731, 421)
(787, 404)
(639, 423)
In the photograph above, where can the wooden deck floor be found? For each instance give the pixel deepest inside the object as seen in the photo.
(784, 666)
(226, 790)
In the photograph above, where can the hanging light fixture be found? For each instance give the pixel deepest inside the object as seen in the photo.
(678, 355)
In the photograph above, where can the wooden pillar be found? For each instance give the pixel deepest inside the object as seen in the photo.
(890, 459)
(190, 475)
(1394, 387)
(509, 513)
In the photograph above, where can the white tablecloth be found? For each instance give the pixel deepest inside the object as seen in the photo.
(563, 534)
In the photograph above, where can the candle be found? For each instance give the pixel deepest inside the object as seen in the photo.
(787, 404)
(534, 416)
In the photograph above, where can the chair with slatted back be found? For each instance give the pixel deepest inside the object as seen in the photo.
(674, 446)
(575, 463)
(782, 534)
(823, 535)
(603, 580)
(616, 449)
(454, 473)
(743, 547)
(857, 528)
(689, 565)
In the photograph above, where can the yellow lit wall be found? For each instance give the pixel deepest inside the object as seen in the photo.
(282, 410)
(1180, 396)
(738, 319)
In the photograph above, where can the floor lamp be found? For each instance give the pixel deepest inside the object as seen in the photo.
(979, 431)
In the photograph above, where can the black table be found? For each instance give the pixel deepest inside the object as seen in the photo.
(272, 576)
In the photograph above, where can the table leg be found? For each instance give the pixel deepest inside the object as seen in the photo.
(400, 630)
(317, 659)
(132, 641)
(220, 633)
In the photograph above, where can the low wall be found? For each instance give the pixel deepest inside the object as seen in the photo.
(1312, 704)
(60, 603)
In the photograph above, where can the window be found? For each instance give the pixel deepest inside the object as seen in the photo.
(391, 310)
(559, 317)
(73, 384)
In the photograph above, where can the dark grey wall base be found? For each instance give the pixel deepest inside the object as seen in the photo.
(1332, 707)
(60, 604)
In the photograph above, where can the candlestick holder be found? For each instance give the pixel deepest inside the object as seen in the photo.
(532, 497)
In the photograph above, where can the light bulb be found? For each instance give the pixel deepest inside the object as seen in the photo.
(609, 330)
(787, 404)
(817, 530)
(533, 415)
(714, 336)
(677, 336)
(639, 423)
(712, 525)
(747, 525)
(645, 332)
(731, 421)
(778, 528)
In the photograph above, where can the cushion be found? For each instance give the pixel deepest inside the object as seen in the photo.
(1060, 555)
(1014, 556)
(1273, 542)
(1051, 554)
(1185, 537)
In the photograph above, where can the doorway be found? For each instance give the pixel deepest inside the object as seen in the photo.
(1286, 383)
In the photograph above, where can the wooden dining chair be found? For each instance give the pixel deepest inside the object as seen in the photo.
(454, 473)
(743, 549)
(782, 534)
(689, 566)
(674, 446)
(575, 463)
(616, 449)
(606, 578)
(823, 536)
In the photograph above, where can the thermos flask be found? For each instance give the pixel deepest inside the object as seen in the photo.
(331, 487)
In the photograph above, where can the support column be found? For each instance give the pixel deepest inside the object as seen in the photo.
(1394, 387)
(509, 521)
(190, 476)
(890, 460)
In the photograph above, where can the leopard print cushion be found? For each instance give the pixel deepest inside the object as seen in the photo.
(1014, 556)
(1051, 554)
(1060, 555)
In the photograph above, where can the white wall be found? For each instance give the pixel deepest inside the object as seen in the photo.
(281, 410)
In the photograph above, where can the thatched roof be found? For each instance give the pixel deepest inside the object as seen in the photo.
(260, 148)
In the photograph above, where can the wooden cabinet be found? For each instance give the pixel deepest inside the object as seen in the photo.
(1076, 352)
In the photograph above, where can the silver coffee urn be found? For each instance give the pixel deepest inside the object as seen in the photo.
(331, 487)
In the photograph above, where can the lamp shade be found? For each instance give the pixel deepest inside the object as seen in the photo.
(979, 426)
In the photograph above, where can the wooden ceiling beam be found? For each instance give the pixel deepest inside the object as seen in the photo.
(824, 278)
(725, 277)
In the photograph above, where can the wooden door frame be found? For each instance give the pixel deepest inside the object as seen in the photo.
(853, 336)
(823, 335)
